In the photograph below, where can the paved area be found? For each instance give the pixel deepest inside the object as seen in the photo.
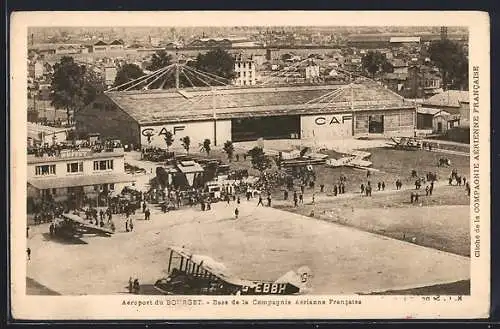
(263, 243)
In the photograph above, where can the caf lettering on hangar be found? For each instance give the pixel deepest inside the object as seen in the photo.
(151, 131)
(320, 121)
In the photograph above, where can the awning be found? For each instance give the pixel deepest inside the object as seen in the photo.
(88, 180)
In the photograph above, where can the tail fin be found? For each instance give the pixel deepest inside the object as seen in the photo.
(301, 278)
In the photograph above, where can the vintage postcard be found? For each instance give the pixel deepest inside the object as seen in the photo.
(250, 165)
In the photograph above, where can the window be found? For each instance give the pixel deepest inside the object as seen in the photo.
(45, 170)
(74, 167)
(112, 186)
(103, 165)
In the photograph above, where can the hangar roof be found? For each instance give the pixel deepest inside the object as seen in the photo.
(198, 104)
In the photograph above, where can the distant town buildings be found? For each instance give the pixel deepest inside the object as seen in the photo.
(102, 47)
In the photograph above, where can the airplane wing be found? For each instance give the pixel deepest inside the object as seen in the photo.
(90, 228)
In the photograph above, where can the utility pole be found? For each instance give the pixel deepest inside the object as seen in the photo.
(177, 68)
(215, 116)
(352, 93)
(177, 75)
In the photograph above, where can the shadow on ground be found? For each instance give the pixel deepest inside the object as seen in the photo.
(63, 240)
(35, 288)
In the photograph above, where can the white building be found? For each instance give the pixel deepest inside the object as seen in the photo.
(312, 71)
(75, 174)
(110, 75)
(245, 71)
(35, 70)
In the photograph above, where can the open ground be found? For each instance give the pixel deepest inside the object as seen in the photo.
(354, 245)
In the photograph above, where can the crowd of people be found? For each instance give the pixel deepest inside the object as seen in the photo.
(57, 148)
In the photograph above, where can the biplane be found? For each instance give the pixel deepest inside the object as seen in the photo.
(406, 143)
(191, 274)
(303, 157)
(71, 225)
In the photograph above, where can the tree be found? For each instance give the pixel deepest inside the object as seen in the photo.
(93, 86)
(186, 143)
(126, 73)
(159, 60)
(218, 62)
(205, 147)
(169, 139)
(259, 159)
(374, 62)
(229, 149)
(67, 86)
(452, 62)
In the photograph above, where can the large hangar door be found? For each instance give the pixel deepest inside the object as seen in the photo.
(273, 127)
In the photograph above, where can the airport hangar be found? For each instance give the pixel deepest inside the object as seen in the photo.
(318, 113)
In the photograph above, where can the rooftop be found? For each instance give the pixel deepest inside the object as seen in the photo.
(65, 155)
(159, 106)
(449, 98)
(83, 180)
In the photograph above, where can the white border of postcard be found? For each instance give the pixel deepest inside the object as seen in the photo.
(372, 307)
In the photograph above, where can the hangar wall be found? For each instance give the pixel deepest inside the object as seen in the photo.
(396, 122)
(197, 132)
(326, 126)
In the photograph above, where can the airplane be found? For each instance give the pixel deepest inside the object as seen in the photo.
(406, 143)
(190, 274)
(72, 225)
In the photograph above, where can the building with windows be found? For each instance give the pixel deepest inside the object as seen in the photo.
(244, 68)
(312, 71)
(74, 175)
(455, 102)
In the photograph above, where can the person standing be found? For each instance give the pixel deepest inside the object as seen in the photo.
(28, 253)
(269, 200)
(260, 201)
(383, 186)
(301, 198)
(236, 213)
(130, 285)
(362, 188)
(379, 185)
(131, 224)
(126, 226)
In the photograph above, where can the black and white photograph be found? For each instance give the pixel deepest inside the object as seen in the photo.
(193, 167)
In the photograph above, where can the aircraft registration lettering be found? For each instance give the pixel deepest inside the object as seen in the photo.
(270, 288)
